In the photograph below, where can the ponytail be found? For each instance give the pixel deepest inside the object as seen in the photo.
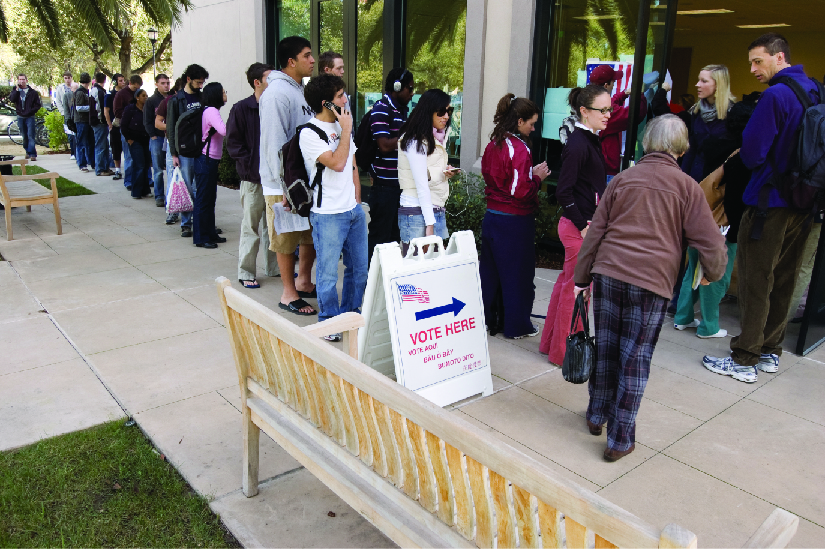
(583, 97)
(509, 110)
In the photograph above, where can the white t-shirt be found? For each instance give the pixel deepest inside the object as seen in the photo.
(338, 194)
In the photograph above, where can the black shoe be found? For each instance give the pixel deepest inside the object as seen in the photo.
(218, 230)
(218, 239)
(117, 176)
(129, 188)
(186, 232)
(160, 202)
(207, 245)
(137, 197)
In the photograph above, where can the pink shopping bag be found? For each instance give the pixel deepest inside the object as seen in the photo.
(179, 199)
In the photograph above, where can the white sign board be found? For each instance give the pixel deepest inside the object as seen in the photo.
(425, 319)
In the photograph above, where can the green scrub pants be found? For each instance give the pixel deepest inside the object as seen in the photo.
(707, 296)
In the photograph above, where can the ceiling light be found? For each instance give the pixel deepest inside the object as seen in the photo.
(703, 12)
(762, 26)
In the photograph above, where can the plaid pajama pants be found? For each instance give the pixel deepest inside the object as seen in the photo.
(628, 321)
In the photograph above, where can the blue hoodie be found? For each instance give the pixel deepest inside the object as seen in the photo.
(770, 136)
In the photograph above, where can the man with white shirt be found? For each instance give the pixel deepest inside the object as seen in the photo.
(282, 108)
(338, 222)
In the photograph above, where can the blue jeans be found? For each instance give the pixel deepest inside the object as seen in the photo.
(83, 153)
(140, 168)
(101, 133)
(332, 234)
(158, 165)
(27, 127)
(72, 143)
(413, 226)
(128, 170)
(206, 173)
(187, 169)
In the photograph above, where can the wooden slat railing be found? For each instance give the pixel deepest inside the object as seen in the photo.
(455, 483)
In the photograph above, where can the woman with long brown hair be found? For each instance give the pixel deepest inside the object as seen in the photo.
(508, 255)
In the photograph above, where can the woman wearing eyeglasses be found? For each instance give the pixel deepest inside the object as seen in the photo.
(423, 172)
(582, 181)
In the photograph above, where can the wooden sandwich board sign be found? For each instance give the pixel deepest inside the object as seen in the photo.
(425, 319)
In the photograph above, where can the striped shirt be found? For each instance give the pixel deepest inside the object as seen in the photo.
(386, 120)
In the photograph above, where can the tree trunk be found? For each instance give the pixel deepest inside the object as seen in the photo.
(125, 55)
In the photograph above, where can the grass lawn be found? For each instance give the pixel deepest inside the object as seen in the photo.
(102, 487)
(64, 186)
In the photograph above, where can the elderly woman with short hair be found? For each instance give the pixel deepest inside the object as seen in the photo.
(647, 217)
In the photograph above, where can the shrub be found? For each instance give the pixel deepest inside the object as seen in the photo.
(227, 174)
(57, 137)
(5, 91)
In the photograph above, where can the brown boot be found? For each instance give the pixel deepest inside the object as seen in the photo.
(616, 455)
(595, 430)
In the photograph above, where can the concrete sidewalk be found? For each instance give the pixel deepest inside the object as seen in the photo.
(132, 327)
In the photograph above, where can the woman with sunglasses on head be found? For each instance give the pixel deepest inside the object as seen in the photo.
(508, 256)
(582, 181)
(423, 172)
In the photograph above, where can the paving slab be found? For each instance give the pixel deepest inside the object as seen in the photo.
(193, 271)
(158, 252)
(201, 437)
(514, 363)
(52, 400)
(73, 242)
(797, 391)
(24, 246)
(81, 263)
(32, 343)
(294, 511)
(17, 303)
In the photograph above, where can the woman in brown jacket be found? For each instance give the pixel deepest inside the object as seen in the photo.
(631, 254)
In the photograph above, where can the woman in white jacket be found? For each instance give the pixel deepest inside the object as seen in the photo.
(423, 172)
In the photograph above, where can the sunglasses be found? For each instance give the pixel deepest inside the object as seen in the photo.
(448, 111)
(603, 111)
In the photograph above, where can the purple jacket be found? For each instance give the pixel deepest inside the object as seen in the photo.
(30, 106)
(770, 136)
(243, 139)
(701, 134)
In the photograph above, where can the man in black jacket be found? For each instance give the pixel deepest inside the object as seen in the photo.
(156, 137)
(26, 101)
(85, 139)
(100, 129)
(243, 142)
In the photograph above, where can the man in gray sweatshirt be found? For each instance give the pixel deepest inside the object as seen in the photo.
(282, 109)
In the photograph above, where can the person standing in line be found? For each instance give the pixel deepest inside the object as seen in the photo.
(63, 102)
(137, 140)
(339, 225)
(582, 182)
(388, 114)
(734, 180)
(332, 62)
(631, 257)
(186, 99)
(243, 143)
(123, 98)
(115, 145)
(156, 137)
(283, 108)
(508, 254)
(160, 125)
(423, 170)
(707, 119)
(26, 101)
(213, 99)
(772, 235)
(85, 144)
(100, 128)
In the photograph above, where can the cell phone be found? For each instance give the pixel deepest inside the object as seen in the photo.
(331, 106)
(452, 170)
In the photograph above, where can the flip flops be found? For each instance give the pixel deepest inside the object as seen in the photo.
(249, 286)
(313, 294)
(296, 306)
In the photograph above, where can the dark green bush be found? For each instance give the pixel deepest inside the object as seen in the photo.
(227, 174)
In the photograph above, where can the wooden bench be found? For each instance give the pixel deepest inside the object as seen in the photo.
(22, 190)
(420, 474)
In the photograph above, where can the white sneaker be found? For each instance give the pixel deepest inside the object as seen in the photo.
(334, 337)
(534, 333)
(720, 333)
(768, 363)
(72, 157)
(727, 367)
(694, 324)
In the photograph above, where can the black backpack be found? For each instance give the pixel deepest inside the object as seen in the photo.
(802, 186)
(297, 189)
(189, 132)
(366, 146)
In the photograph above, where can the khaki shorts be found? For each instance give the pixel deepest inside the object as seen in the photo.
(287, 242)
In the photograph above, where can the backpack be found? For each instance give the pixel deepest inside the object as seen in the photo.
(189, 133)
(366, 147)
(802, 186)
(297, 189)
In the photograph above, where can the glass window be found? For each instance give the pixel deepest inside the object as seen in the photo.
(369, 65)
(293, 18)
(331, 13)
(435, 54)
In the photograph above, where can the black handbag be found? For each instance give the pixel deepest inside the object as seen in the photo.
(580, 352)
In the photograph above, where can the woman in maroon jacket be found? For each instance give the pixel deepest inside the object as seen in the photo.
(508, 255)
(582, 182)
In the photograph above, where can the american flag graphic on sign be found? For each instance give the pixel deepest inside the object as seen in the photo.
(626, 68)
(408, 292)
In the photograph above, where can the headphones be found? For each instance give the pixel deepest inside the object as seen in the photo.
(397, 86)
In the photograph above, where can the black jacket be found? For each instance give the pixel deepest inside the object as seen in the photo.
(243, 138)
(131, 124)
(583, 177)
(81, 106)
(149, 109)
(30, 105)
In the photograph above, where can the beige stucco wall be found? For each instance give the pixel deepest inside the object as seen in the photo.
(225, 37)
(496, 62)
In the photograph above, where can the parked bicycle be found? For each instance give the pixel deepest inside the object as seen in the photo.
(41, 136)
